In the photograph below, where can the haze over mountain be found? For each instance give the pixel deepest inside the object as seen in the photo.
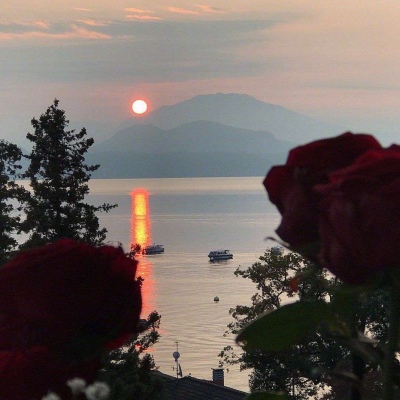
(240, 111)
(200, 148)
(193, 137)
(207, 135)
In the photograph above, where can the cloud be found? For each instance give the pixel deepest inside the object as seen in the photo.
(23, 26)
(137, 14)
(82, 33)
(92, 22)
(42, 30)
(182, 11)
(143, 17)
(143, 51)
(209, 9)
(82, 9)
(41, 24)
(138, 11)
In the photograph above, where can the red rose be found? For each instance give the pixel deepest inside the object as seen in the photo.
(360, 217)
(30, 374)
(290, 186)
(76, 298)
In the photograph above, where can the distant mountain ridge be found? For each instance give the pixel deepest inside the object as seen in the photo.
(200, 148)
(240, 111)
(193, 137)
(207, 135)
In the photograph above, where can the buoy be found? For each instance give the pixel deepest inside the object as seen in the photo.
(216, 298)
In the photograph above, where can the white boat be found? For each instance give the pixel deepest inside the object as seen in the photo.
(220, 255)
(153, 249)
(277, 250)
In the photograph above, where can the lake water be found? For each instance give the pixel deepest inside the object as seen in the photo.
(190, 217)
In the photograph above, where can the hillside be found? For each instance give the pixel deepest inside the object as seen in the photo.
(240, 111)
(199, 136)
(207, 135)
(199, 148)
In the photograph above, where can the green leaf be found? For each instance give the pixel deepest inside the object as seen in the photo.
(284, 327)
(267, 396)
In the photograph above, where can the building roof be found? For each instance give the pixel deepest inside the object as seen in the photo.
(189, 388)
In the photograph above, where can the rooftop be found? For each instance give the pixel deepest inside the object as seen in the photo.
(196, 389)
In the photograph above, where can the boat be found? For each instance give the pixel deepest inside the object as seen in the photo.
(216, 255)
(277, 250)
(153, 249)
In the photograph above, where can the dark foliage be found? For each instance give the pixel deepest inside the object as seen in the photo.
(304, 370)
(59, 176)
(12, 197)
(128, 370)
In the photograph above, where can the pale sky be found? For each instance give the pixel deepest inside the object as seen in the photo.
(335, 60)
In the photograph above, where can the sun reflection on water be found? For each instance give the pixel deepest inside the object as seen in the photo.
(141, 235)
(140, 218)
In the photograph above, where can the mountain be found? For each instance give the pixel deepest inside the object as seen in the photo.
(207, 135)
(193, 137)
(240, 111)
(200, 148)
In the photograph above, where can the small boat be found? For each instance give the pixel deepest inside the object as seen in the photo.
(277, 250)
(143, 324)
(216, 255)
(153, 249)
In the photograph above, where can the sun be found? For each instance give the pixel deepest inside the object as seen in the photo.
(139, 106)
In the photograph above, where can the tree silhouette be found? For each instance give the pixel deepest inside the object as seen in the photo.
(12, 196)
(305, 370)
(59, 179)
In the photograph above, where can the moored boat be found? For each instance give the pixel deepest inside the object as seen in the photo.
(216, 255)
(277, 250)
(153, 249)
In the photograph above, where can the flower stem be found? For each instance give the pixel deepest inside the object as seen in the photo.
(393, 337)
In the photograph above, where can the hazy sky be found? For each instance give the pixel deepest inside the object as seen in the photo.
(336, 60)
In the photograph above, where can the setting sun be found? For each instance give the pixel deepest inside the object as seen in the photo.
(139, 106)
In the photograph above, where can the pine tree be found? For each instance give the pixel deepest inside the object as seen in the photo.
(59, 179)
(11, 197)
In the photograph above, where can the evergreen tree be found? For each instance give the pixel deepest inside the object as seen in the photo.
(12, 196)
(58, 176)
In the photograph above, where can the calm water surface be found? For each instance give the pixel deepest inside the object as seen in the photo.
(190, 217)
